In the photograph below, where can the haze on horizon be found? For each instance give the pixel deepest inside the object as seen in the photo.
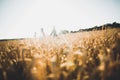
(21, 18)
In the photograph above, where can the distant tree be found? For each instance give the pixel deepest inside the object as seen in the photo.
(64, 32)
(42, 32)
(115, 24)
(35, 35)
(53, 33)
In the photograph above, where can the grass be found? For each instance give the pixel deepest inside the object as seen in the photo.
(93, 55)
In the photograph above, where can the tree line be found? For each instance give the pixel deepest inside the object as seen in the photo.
(102, 27)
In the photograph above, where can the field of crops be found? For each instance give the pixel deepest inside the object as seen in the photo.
(93, 55)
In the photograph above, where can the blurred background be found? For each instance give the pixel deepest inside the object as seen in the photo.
(24, 18)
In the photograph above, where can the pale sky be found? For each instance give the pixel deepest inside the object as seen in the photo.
(21, 18)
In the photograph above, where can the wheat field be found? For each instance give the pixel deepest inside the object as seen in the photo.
(93, 55)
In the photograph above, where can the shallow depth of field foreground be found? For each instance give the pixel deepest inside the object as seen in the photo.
(93, 55)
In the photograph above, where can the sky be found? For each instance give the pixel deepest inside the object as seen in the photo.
(22, 18)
